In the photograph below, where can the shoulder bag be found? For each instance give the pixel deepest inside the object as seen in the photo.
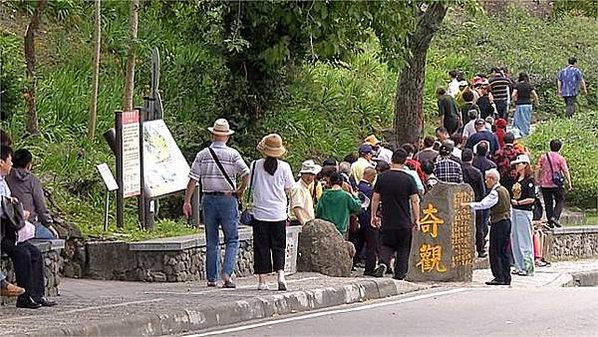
(13, 214)
(557, 177)
(247, 216)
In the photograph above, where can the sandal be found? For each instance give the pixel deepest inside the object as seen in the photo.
(229, 284)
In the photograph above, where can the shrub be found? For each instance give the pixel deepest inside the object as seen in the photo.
(580, 147)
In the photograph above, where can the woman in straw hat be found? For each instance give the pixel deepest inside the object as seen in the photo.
(272, 179)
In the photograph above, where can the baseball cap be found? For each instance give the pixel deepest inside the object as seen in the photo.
(365, 148)
(522, 158)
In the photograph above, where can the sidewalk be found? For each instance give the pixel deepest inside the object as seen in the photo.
(112, 308)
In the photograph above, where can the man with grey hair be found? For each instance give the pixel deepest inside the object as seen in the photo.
(499, 203)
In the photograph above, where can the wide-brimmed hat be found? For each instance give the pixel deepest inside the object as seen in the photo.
(522, 158)
(372, 140)
(271, 146)
(310, 167)
(221, 128)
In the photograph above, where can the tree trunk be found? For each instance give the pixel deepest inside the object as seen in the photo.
(95, 80)
(130, 71)
(409, 100)
(31, 120)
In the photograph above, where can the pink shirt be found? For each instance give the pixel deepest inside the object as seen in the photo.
(559, 164)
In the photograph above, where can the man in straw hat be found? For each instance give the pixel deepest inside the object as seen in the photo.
(217, 167)
(303, 194)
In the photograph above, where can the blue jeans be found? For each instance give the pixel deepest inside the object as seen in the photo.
(42, 232)
(220, 211)
(523, 118)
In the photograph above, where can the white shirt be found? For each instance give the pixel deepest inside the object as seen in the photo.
(469, 129)
(488, 202)
(269, 192)
(457, 152)
(415, 176)
(385, 155)
(453, 87)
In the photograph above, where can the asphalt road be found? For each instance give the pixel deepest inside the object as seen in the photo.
(444, 312)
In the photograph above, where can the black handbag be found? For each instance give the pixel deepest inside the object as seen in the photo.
(247, 216)
(13, 215)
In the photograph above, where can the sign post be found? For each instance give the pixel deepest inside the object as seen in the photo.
(111, 185)
(128, 159)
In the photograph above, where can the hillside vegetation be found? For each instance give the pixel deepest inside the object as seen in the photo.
(322, 109)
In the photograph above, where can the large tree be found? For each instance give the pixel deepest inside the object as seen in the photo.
(409, 100)
(31, 124)
(130, 70)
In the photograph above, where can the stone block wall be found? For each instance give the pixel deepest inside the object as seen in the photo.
(116, 261)
(52, 265)
(571, 243)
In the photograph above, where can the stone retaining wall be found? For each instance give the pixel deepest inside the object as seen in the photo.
(178, 260)
(571, 243)
(52, 265)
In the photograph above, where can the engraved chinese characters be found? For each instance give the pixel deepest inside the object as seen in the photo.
(443, 248)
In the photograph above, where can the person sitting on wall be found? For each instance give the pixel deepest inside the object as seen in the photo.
(26, 187)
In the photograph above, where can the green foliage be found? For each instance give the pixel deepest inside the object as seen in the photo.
(580, 147)
(11, 75)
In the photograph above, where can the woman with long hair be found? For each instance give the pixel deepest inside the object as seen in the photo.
(523, 196)
(271, 181)
(524, 96)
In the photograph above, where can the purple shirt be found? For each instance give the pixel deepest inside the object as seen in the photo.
(570, 78)
(559, 164)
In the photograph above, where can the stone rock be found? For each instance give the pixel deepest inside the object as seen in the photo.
(323, 249)
(159, 277)
(443, 250)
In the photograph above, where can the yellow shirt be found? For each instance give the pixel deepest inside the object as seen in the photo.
(358, 167)
(302, 201)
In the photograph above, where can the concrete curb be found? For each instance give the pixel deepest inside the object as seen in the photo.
(205, 317)
(584, 279)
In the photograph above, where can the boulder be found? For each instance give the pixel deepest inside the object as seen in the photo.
(323, 249)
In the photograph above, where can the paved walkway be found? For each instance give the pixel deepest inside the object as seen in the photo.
(91, 307)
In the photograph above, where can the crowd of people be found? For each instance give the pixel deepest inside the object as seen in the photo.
(372, 198)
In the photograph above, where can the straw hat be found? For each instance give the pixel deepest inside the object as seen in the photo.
(372, 140)
(221, 128)
(271, 146)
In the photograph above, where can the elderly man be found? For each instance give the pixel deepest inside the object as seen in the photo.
(499, 203)
(482, 134)
(218, 167)
(304, 193)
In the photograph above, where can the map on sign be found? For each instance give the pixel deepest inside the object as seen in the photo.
(165, 168)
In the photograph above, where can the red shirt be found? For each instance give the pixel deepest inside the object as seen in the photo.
(417, 166)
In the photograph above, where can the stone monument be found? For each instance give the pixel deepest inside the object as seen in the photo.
(443, 249)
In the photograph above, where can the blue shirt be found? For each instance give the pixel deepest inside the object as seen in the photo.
(4, 191)
(570, 78)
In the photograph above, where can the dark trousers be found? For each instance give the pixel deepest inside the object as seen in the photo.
(481, 230)
(372, 238)
(269, 245)
(554, 201)
(29, 266)
(570, 105)
(358, 240)
(451, 125)
(396, 240)
(502, 109)
(500, 250)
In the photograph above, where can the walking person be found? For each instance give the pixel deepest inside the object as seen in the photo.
(304, 193)
(337, 204)
(553, 177)
(272, 180)
(498, 201)
(218, 167)
(569, 82)
(400, 216)
(449, 111)
(500, 88)
(473, 177)
(525, 98)
(523, 196)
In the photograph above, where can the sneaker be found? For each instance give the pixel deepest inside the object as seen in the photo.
(263, 286)
(495, 282)
(211, 283)
(555, 222)
(282, 285)
(380, 270)
(229, 284)
(482, 255)
(547, 226)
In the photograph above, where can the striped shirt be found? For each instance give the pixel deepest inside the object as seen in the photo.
(204, 168)
(500, 88)
(570, 78)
